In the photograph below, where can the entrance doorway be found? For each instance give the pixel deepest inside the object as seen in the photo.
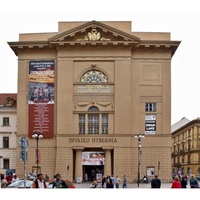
(93, 172)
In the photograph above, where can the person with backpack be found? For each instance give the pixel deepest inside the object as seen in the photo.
(39, 182)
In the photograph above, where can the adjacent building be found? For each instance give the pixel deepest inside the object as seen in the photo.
(186, 148)
(89, 89)
(8, 130)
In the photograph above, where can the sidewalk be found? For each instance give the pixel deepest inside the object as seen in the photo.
(86, 185)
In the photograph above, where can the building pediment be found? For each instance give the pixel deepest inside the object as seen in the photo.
(94, 32)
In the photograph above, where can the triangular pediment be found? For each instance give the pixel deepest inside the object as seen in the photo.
(94, 32)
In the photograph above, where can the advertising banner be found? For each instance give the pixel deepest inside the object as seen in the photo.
(150, 124)
(93, 158)
(41, 97)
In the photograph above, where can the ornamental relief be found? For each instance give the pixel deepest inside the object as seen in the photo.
(93, 35)
(93, 103)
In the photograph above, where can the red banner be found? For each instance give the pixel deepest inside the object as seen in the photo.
(41, 98)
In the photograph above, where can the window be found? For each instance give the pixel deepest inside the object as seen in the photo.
(150, 107)
(6, 163)
(81, 123)
(5, 121)
(104, 123)
(93, 122)
(5, 142)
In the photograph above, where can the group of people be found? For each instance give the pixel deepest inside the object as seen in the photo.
(10, 178)
(182, 182)
(178, 182)
(110, 182)
(40, 182)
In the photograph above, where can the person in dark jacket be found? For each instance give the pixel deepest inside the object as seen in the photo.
(59, 183)
(156, 182)
(109, 183)
(184, 182)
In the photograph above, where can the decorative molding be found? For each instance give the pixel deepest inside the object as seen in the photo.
(157, 99)
(93, 103)
(93, 98)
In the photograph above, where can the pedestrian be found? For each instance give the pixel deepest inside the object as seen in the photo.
(145, 179)
(15, 178)
(112, 179)
(117, 181)
(3, 181)
(59, 183)
(103, 181)
(193, 182)
(156, 182)
(109, 183)
(94, 184)
(9, 178)
(46, 178)
(125, 182)
(39, 182)
(176, 183)
(184, 182)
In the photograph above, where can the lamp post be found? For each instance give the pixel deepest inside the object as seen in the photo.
(37, 135)
(139, 136)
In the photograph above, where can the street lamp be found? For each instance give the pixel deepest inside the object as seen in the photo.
(139, 136)
(37, 135)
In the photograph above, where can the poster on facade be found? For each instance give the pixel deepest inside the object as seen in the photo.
(93, 158)
(150, 171)
(150, 124)
(41, 97)
(99, 177)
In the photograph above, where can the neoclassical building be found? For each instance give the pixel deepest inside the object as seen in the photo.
(186, 148)
(90, 88)
(8, 130)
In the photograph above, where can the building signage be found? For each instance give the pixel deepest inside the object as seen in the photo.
(41, 97)
(93, 89)
(150, 124)
(92, 140)
(93, 158)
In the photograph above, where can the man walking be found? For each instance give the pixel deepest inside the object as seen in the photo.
(156, 182)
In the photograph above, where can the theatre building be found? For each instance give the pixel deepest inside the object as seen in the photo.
(89, 89)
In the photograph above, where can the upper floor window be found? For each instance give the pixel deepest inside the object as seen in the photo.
(6, 121)
(6, 163)
(150, 107)
(94, 76)
(93, 122)
(5, 142)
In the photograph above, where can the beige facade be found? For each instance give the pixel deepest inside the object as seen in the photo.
(110, 84)
(185, 148)
(8, 130)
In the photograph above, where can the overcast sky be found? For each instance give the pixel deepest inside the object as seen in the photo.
(181, 19)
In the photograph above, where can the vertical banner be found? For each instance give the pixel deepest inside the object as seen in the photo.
(150, 124)
(41, 97)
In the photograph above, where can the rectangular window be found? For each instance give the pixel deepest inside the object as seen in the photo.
(5, 121)
(81, 123)
(150, 107)
(93, 123)
(6, 164)
(5, 142)
(104, 123)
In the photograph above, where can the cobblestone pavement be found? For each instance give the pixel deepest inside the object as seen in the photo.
(130, 185)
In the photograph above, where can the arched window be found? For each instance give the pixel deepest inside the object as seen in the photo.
(93, 122)
(94, 76)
